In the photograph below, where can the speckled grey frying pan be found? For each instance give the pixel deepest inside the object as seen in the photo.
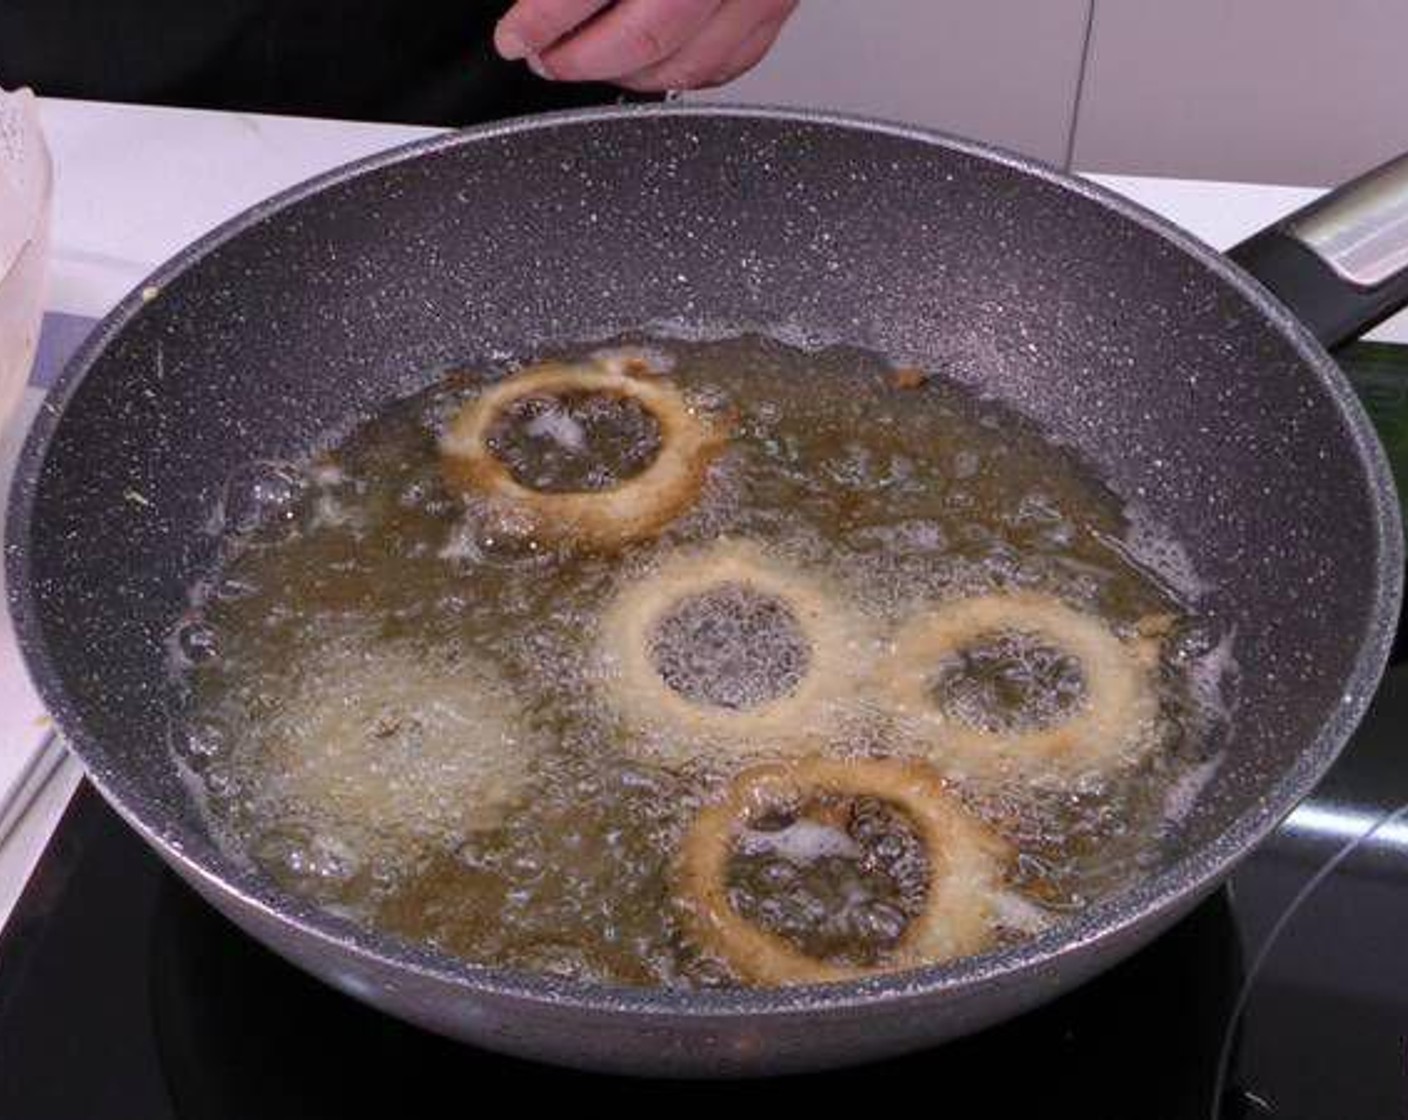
(1193, 390)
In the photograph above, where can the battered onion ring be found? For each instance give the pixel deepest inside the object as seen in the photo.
(395, 747)
(965, 868)
(1108, 729)
(634, 509)
(838, 652)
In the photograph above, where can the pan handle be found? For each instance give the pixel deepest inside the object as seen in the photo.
(1341, 263)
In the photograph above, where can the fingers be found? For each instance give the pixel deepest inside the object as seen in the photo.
(732, 43)
(631, 36)
(531, 26)
(646, 45)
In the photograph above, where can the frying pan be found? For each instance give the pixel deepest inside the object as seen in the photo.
(1197, 394)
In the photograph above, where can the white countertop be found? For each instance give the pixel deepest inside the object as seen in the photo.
(134, 184)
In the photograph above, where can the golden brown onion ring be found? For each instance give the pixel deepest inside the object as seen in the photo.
(1109, 727)
(634, 509)
(838, 651)
(965, 868)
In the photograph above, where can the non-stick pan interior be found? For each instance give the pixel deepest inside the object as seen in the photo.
(1149, 360)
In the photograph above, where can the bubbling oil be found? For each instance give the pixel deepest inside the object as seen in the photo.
(840, 881)
(574, 442)
(365, 618)
(1009, 682)
(730, 648)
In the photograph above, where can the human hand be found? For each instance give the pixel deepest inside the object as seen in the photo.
(644, 45)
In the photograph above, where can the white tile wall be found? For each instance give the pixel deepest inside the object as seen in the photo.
(1004, 71)
(1285, 91)
(1279, 91)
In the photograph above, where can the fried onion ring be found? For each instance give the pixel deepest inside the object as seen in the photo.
(1108, 728)
(965, 862)
(635, 508)
(837, 651)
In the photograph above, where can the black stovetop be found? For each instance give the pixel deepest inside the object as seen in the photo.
(123, 995)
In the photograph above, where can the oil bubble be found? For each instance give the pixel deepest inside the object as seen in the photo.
(261, 498)
(497, 538)
(314, 864)
(195, 642)
(199, 742)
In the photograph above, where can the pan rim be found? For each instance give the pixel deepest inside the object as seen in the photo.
(1164, 894)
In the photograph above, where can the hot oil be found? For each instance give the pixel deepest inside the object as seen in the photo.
(839, 878)
(892, 490)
